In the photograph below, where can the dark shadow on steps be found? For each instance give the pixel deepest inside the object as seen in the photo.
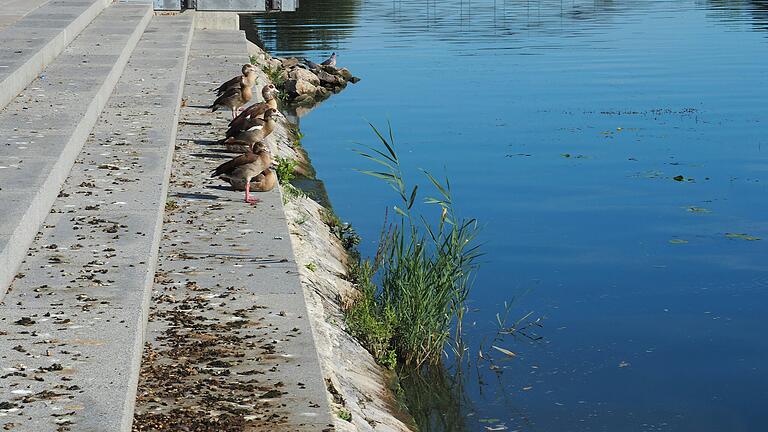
(221, 187)
(213, 155)
(197, 196)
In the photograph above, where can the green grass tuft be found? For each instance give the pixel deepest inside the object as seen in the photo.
(343, 231)
(344, 414)
(291, 192)
(284, 170)
(424, 268)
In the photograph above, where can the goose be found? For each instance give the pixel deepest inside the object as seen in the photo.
(255, 133)
(263, 182)
(234, 98)
(330, 61)
(308, 64)
(235, 82)
(241, 170)
(244, 120)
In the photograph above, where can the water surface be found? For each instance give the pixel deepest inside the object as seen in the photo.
(563, 126)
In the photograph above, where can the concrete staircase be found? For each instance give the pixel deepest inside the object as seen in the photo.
(85, 159)
(90, 95)
(43, 129)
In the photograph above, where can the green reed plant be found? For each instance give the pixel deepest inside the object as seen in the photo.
(424, 266)
(285, 169)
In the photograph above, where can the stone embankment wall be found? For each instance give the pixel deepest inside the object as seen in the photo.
(357, 384)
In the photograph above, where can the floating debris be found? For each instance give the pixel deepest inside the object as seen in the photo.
(694, 209)
(742, 236)
(678, 241)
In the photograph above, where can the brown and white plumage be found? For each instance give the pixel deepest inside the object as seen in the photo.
(234, 97)
(233, 145)
(241, 170)
(245, 119)
(258, 131)
(235, 82)
(263, 182)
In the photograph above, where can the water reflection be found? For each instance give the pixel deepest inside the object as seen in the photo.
(737, 11)
(320, 25)
(323, 25)
(611, 147)
(435, 399)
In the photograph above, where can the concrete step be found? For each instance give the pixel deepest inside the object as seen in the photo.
(227, 293)
(43, 129)
(14, 10)
(76, 314)
(36, 36)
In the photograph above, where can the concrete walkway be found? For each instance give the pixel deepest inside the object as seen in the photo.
(229, 342)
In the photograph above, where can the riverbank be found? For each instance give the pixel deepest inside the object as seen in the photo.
(359, 388)
(118, 244)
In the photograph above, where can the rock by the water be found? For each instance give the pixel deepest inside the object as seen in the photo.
(327, 78)
(354, 80)
(345, 73)
(300, 87)
(331, 69)
(303, 74)
(290, 62)
(306, 82)
(274, 63)
(305, 98)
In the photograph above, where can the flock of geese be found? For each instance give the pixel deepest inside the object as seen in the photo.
(253, 169)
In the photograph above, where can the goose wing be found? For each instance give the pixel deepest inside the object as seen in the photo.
(252, 111)
(227, 85)
(230, 165)
(248, 124)
(228, 95)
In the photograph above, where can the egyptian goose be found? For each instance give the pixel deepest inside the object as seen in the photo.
(255, 133)
(330, 61)
(244, 120)
(263, 182)
(240, 170)
(235, 82)
(234, 98)
(308, 64)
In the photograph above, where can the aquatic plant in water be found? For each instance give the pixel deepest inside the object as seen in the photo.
(423, 267)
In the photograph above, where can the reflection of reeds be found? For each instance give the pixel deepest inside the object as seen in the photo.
(435, 399)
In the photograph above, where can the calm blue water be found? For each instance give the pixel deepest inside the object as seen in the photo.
(562, 125)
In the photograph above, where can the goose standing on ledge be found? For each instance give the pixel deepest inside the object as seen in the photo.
(263, 182)
(235, 82)
(241, 170)
(330, 61)
(245, 119)
(255, 133)
(235, 97)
